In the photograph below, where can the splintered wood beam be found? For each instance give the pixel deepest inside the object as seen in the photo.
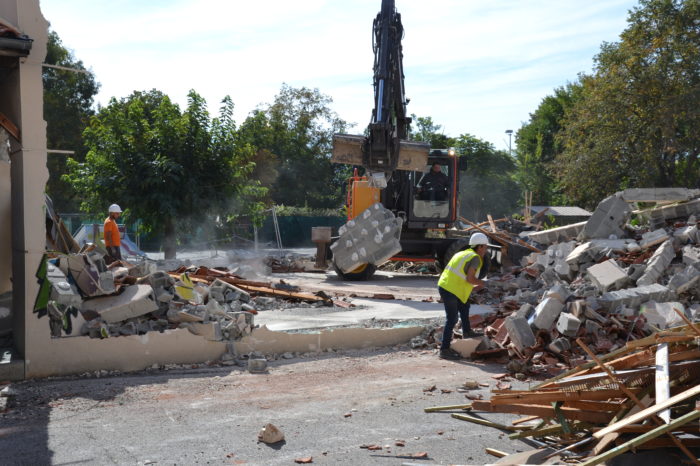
(652, 434)
(503, 397)
(544, 411)
(436, 409)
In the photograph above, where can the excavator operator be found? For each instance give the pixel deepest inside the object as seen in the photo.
(433, 185)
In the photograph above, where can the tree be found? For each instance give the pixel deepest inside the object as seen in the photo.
(637, 121)
(487, 187)
(296, 132)
(428, 131)
(68, 106)
(538, 146)
(173, 170)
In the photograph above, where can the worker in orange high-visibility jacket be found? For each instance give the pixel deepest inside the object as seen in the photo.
(456, 283)
(112, 238)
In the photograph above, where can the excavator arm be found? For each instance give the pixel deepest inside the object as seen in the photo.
(385, 149)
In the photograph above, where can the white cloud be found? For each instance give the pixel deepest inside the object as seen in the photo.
(475, 67)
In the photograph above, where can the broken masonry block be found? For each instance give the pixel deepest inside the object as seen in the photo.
(525, 311)
(560, 345)
(577, 308)
(593, 327)
(634, 297)
(210, 331)
(134, 301)
(223, 293)
(652, 238)
(687, 234)
(657, 263)
(143, 269)
(662, 315)
(520, 332)
(62, 292)
(546, 313)
(554, 235)
(259, 365)
(90, 274)
(607, 219)
(685, 279)
(568, 324)
(691, 255)
(635, 271)
(607, 275)
(659, 194)
(559, 292)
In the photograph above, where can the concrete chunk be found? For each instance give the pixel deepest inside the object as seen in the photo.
(553, 235)
(633, 297)
(662, 315)
(568, 324)
(520, 332)
(659, 194)
(657, 264)
(652, 238)
(691, 255)
(546, 313)
(136, 300)
(607, 276)
(224, 292)
(608, 219)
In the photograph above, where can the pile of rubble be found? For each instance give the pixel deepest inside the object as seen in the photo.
(621, 401)
(84, 296)
(614, 279)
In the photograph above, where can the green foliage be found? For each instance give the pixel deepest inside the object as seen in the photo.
(174, 170)
(293, 138)
(537, 145)
(487, 186)
(291, 211)
(428, 131)
(636, 123)
(68, 106)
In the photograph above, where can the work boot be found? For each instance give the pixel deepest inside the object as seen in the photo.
(450, 354)
(473, 334)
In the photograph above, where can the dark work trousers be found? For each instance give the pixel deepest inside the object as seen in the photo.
(454, 308)
(114, 253)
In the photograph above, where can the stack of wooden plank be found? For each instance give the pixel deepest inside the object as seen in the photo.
(639, 397)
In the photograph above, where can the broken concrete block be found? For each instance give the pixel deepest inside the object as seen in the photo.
(607, 219)
(568, 324)
(635, 271)
(466, 346)
(210, 330)
(143, 269)
(136, 300)
(553, 235)
(659, 194)
(62, 292)
(223, 293)
(258, 365)
(90, 274)
(593, 327)
(658, 263)
(560, 345)
(687, 234)
(607, 276)
(577, 308)
(684, 280)
(691, 255)
(525, 311)
(634, 297)
(546, 313)
(520, 332)
(662, 315)
(559, 292)
(652, 238)
(685, 209)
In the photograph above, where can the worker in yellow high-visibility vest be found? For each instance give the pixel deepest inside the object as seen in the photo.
(456, 283)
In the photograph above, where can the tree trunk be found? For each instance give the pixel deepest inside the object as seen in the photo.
(169, 243)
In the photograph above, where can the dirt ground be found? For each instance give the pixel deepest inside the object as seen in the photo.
(328, 407)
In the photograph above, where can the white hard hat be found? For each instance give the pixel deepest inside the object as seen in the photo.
(479, 238)
(115, 208)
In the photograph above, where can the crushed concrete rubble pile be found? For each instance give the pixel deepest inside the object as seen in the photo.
(83, 296)
(639, 397)
(611, 280)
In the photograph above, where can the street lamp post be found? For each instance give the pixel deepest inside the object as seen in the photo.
(509, 132)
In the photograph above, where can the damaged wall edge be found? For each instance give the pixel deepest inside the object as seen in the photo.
(66, 356)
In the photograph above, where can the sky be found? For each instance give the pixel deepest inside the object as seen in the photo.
(477, 67)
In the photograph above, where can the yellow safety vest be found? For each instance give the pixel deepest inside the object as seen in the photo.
(453, 278)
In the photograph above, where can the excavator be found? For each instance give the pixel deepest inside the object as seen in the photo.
(397, 171)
